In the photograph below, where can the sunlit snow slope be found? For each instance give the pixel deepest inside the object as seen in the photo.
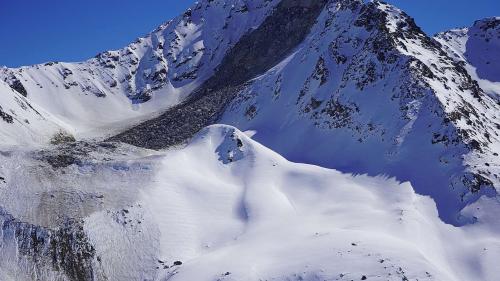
(369, 92)
(230, 205)
(227, 208)
(231, 209)
(23, 122)
(116, 89)
(478, 49)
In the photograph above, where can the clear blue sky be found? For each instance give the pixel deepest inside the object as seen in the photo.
(36, 31)
(440, 15)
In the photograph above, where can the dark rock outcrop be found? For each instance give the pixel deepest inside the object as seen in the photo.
(65, 249)
(255, 53)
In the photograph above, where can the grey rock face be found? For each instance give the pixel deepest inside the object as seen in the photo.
(65, 249)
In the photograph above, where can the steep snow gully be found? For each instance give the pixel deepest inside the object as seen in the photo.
(118, 168)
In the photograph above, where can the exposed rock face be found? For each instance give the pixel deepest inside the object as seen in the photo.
(255, 53)
(45, 233)
(44, 251)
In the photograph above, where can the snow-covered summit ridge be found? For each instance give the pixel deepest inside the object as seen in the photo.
(149, 75)
(369, 92)
(478, 49)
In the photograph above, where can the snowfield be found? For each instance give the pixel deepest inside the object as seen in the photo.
(119, 88)
(225, 207)
(231, 209)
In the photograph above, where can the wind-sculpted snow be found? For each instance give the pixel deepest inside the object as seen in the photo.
(261, 217)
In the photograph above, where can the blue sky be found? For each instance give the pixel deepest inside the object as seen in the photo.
(36, 31)
(439, 15)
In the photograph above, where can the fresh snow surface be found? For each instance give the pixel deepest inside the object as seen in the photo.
(22, 122)
(117, 89)
(231, 209)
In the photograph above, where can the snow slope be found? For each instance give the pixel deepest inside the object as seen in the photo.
(119, 88)
(369, 92)
(229, 205)
(22, 122)
(478, 48)
(229, 208)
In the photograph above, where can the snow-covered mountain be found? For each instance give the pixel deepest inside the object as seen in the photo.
(112, 89)
(366, 91)
(477, 49)
(369, 92)
(113, 169)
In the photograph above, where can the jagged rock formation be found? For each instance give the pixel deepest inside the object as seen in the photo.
(59, 254)
(51, 200)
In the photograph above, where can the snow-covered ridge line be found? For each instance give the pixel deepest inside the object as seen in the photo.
(256, 52)
(477, 49)
(149, 75)
(369, 92)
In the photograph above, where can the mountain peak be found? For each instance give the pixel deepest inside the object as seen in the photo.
(488, 23)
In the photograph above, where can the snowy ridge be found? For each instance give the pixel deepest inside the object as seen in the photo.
(22, 122)
(369, 92)
(198, 208)
(477, 48)
(299, 222)
(149, 75)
